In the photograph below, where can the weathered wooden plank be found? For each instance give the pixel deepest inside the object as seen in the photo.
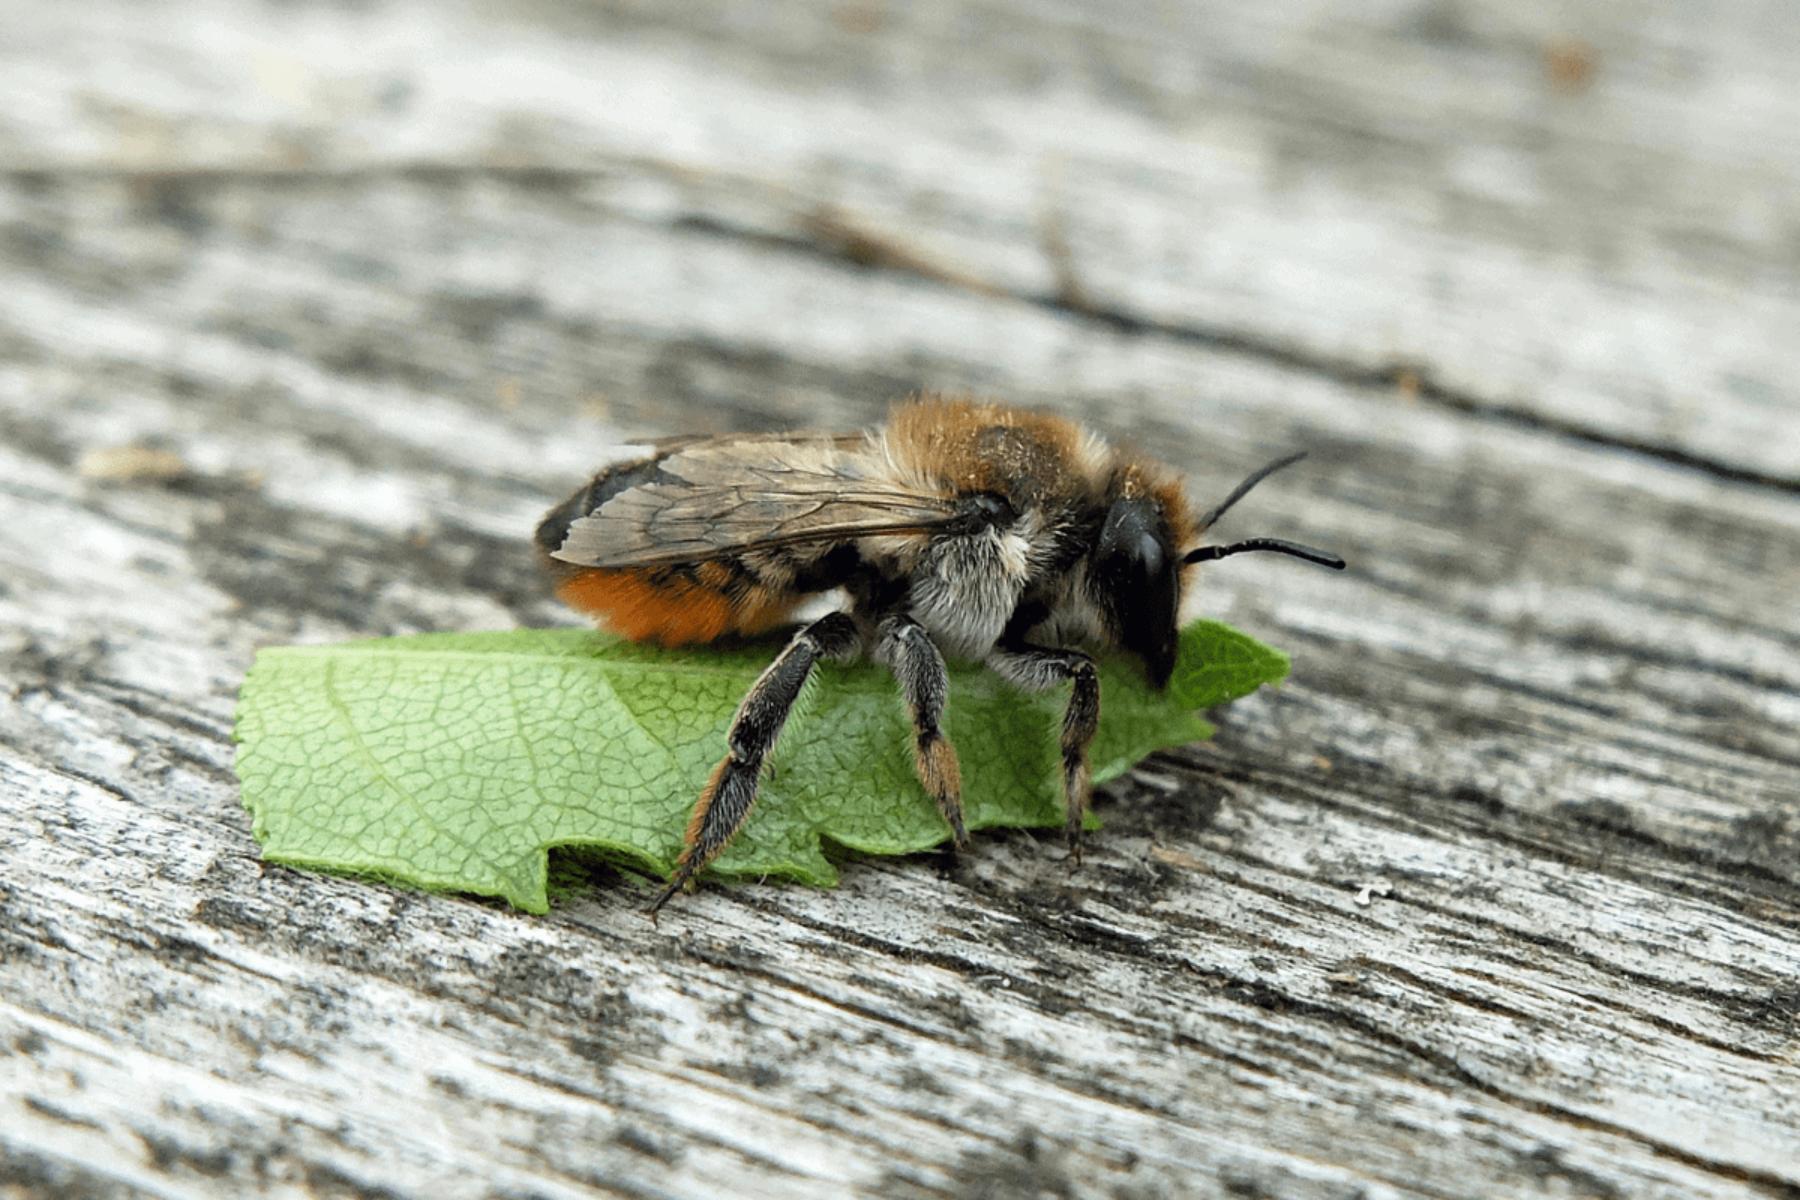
(1027, 1001)
(1499, 894)
(380, 504)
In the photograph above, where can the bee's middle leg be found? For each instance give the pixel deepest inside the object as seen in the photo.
(1035, 668)
(725, 802)
(918, 667)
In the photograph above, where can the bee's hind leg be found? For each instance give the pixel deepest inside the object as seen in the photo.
(918, 667)
(1036, 668)
(725, 801)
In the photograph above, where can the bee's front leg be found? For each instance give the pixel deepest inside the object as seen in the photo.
(725, 801)
(1035, 668)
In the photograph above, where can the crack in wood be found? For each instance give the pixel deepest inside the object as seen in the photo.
(829, 240)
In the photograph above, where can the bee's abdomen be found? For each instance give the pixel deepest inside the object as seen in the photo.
(729, 592)
(676, 607)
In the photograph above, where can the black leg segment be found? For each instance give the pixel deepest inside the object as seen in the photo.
(725, 801)
(918, 668)
(1035, 668)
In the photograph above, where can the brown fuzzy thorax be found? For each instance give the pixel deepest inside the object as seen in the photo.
(1033, 459)
(963, 446)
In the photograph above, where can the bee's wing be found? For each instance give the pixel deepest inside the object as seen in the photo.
(719, 496)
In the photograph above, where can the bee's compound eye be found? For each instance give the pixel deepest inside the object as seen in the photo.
(1130, 541)
(1150, 554)
(993, 509)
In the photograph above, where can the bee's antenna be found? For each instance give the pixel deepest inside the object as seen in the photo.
(1279, 545)
(1238, 493)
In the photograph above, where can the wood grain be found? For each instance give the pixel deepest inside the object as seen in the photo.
(1499, 896)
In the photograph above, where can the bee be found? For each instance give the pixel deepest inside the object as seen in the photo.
(959, 529)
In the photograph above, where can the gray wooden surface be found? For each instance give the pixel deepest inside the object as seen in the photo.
(1499, 896)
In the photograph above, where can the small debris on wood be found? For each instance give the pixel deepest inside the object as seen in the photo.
(1176, 858)
(1053, 228)
(1570, 64)
(132, 464)
(843, 234)
(862, 18)
(1409, 384)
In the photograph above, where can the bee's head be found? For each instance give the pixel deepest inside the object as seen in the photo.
(1135, 575)
(1135, 579)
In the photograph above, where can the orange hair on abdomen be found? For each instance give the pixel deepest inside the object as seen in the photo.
(676, 610)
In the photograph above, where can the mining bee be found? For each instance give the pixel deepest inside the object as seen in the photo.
(959, 528)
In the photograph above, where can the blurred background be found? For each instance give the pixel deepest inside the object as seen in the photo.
(308, 311)
(299, 244)
(1269, 223)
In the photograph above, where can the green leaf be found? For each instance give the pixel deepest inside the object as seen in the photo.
(456, 761)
